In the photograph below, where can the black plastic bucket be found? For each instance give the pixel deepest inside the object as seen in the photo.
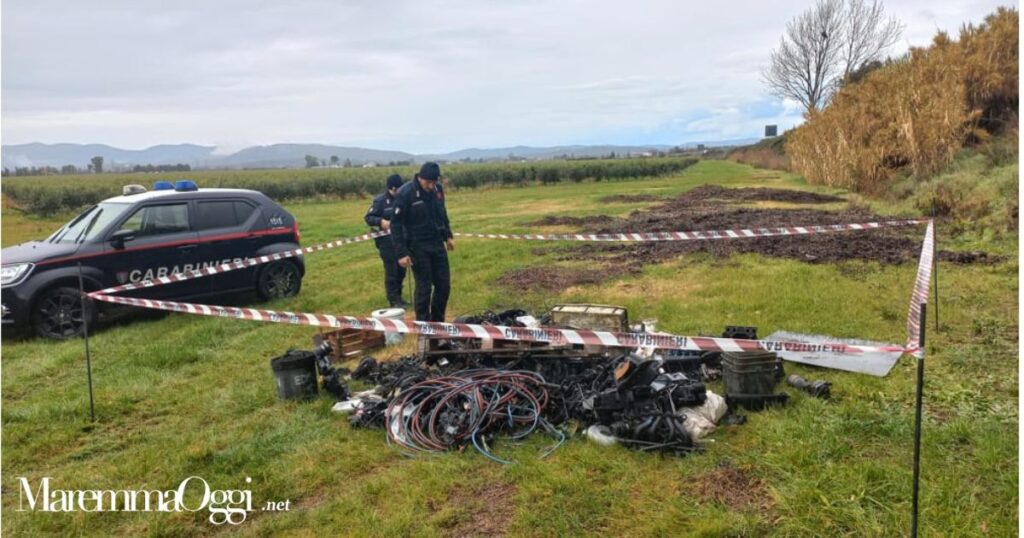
(295, 373)
(751, 372)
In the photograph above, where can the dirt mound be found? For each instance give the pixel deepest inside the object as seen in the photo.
(881, 246)
(674, 217)
(698, 210)
(715, 192)
(703, 209)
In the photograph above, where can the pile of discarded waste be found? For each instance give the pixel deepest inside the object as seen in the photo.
(426, 404)
(454, 394)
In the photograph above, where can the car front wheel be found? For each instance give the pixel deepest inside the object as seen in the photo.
(59, 314)
(279, 279)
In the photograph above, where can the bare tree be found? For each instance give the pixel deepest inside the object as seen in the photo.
(868, 34)
(824, 45)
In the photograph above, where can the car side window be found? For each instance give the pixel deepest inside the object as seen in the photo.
(158, 220)
(216, 214)
(243, 210)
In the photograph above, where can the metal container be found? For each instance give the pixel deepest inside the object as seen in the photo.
(295, 373)
(591, 316)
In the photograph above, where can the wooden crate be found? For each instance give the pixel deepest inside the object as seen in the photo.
(350, 343)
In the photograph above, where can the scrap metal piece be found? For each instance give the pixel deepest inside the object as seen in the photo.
(333, 378)
(818, 388)
(740, 331)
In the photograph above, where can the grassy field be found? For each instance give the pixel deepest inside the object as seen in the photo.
(179, 395)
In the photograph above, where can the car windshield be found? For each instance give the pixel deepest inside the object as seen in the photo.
(91, 222)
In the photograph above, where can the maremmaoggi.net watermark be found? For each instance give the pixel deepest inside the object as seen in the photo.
(193, 494)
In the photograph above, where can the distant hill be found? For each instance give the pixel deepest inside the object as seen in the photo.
(36, 154)
(529, 152)
(554, 152)
(273, 156)
(293, 155)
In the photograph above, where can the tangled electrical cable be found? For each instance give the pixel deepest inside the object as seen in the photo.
(468, 408)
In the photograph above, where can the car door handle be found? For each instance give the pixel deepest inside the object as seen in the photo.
(187, 248)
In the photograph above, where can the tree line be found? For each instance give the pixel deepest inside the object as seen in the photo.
(95, 166)
(49, 196)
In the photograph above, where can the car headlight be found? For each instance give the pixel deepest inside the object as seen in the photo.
(14, 273)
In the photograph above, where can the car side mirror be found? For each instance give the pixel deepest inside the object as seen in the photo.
(118, 238)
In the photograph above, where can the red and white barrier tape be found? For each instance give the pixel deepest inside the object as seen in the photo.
(920, 295)
(495, 332)
(706, 235)
(548, 335)
(701, 235)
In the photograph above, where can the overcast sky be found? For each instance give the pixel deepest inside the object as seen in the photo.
(419, 76)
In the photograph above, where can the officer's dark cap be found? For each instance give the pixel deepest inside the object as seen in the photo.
(394, 181)
(430, 171)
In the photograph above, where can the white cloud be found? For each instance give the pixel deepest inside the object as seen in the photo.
(417, 76)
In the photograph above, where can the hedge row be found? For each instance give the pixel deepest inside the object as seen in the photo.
(54, 194)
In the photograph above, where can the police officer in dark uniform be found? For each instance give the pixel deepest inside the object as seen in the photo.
(422, 237)
(379, 218)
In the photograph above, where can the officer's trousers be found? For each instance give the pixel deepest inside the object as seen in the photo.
(394, 274)
(433, 281)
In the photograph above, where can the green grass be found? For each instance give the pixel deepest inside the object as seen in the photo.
(182, 395)
(977, 190)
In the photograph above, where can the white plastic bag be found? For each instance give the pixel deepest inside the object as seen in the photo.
(701, 420)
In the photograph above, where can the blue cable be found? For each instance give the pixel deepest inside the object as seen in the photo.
(486, 453)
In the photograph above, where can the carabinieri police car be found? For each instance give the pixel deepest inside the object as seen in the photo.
(144, 235)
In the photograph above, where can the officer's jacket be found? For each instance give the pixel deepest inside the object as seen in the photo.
(382, 208)
(420, 218)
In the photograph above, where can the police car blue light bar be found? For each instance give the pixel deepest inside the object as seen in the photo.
(163, 186)
(185, 185)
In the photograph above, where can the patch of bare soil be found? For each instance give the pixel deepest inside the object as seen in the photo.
(551, 220)
(489, 510)
(884, 246)
(734, 487)
(554, 279)
(707, 208)
(631, 198)
(974, 256)
(715, 192)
